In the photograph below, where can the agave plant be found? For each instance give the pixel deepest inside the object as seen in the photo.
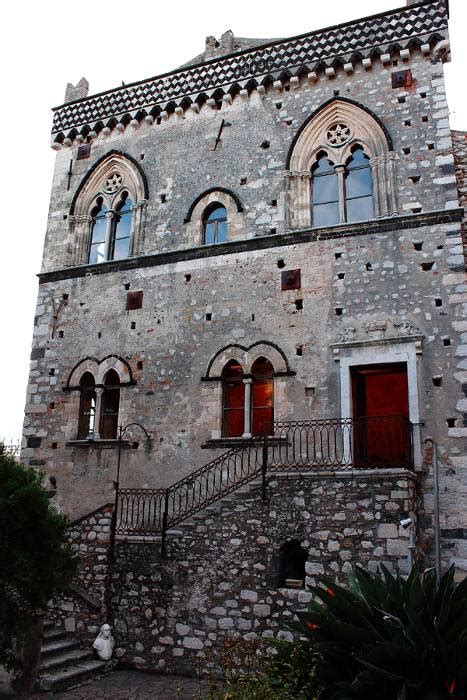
(390, 638)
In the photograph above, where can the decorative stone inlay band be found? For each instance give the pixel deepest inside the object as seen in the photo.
(307, 51)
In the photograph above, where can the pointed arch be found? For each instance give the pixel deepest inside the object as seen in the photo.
(360, 128)
(114, 176)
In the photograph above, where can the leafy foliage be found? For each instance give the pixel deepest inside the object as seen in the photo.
(389, 638)
(268, 669)
(36, 561)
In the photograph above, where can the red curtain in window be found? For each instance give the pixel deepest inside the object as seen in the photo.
(262, 398)
(233, 400)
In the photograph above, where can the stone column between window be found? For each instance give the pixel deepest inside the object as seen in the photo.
(340, 171)
(108, 232)
(299, 190)
(384, 185)
(97, 415)
(247, 411)
(81, 232)
(138, 211)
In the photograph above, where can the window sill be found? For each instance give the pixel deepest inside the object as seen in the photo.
(240, 442)
(230, 442)
(99, 444)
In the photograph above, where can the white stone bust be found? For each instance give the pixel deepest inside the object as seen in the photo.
(104, 643)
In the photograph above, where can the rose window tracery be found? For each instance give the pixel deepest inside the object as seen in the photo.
(338, 134)
(113, 183)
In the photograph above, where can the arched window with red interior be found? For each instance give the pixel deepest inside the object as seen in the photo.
(262, 397)
(109, 406)
(233, 400)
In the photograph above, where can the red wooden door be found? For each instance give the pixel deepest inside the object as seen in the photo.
(380, 400)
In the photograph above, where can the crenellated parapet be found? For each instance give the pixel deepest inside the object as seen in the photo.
(383, 37)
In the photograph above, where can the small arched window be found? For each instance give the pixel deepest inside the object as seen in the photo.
(109, 406)
(342, 193)
(98, 243)
(87, 407)
(215, 224)
(262, 397)
(233, 400)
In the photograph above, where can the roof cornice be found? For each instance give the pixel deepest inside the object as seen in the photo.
(347, 43)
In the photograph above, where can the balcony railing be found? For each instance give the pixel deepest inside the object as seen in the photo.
(342, 443)
(312, 445)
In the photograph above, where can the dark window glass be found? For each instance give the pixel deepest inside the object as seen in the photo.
(122, 229)
(87, 406)
(233, 400)
(215, 225)
(262, 397)
(325, 193)
(97, 253)
(358, 187)
(109, 406)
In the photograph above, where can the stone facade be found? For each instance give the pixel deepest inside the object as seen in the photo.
(244, 130)
(218, 581)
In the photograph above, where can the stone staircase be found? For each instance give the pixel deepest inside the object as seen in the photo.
(63, 662)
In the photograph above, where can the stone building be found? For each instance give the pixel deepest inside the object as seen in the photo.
(258, 258)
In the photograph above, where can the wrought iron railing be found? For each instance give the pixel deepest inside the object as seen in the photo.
(311, 445)
(342, 443)
(152, 511)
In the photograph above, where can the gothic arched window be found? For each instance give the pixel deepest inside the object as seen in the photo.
(342, 162)
(215, 224)
(87, 406)
(262, 397)
(110, 230)
(233, 400)
(247, 401)
(109, 406)
(342, 193)
(107, 213)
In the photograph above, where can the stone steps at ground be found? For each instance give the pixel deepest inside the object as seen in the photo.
(67, 677)
(63, 662)
(72, 656)
(58, 646)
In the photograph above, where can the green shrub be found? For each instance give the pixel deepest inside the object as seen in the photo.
(36, 561)
(389, 638)
(268, 669)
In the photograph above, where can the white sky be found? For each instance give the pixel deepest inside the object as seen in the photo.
(49, 43)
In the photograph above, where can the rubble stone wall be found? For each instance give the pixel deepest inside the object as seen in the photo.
(218, 580)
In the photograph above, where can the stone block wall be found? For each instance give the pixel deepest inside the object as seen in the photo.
(84, 610)
(218, 582)
(367, 287)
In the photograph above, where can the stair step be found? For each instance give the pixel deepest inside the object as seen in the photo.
(72, 657)
(71, 675)
(59, 645)
(53, 633)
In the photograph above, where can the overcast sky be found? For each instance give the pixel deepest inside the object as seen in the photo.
(49, 43)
